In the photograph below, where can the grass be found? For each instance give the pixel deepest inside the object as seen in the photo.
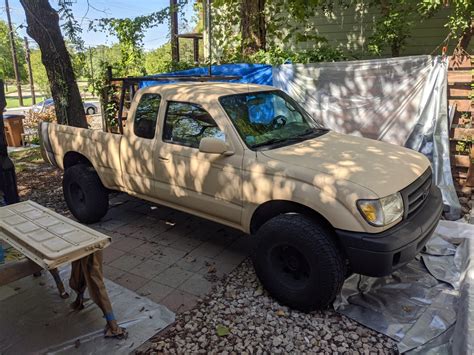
(26, 158)
(12, 102)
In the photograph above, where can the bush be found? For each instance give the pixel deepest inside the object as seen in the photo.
(33, 119)
(278, 56)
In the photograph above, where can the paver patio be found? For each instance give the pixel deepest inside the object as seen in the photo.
(171, 257)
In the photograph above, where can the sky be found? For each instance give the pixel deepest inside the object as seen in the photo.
(154, 37)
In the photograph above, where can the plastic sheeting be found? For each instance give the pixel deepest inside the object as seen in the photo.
(34, 319)
(427, 306)
(396, 100)
(248, 73)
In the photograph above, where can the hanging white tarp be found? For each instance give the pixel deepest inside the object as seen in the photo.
(396, 100)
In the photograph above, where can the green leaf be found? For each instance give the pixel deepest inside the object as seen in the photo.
(222, 330)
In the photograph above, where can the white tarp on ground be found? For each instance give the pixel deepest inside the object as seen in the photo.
(427, 306)
(397, 100)
(35, 320)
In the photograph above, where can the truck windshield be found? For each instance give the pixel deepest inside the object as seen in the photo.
(269, 119)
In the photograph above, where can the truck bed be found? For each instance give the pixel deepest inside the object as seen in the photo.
(100, 148)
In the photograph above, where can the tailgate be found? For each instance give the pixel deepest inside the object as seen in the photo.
(47, 238)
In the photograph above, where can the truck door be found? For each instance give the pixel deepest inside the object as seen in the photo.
(138, 144)
(209, 184)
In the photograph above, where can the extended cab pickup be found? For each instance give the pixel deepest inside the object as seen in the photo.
(320, 203)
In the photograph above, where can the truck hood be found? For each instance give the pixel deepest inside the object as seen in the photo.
(380, 167)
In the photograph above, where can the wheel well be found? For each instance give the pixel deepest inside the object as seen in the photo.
(74, 158)
(271, 209)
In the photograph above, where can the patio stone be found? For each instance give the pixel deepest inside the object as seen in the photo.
(196, 285)
(179, 301)
(173, 276)
(128, 244)
(111, 254)
(155, 291)
(171, 257)
(127, 262)
(130, 281)
(149, 269)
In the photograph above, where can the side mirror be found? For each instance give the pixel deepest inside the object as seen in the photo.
(213, 145)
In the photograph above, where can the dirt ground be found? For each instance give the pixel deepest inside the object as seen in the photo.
(38, 181)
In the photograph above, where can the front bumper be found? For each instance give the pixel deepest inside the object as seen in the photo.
(382, 253)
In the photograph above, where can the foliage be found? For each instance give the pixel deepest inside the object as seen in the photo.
(108, 93)
(6, 62)
(33, 119)
(130, 33)
(70, 26)
(226, 39)
(23, 159)
(463, 147)
(159, 60)
(39, 72)
(278, 56)
(394, 26)
(460, 18)
(290, 25)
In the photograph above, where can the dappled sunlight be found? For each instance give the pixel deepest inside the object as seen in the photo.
(328, 173)
(359, 160)
(198, 169)
(363, 98)
(176, 171)
(327, 185)
(338, 171)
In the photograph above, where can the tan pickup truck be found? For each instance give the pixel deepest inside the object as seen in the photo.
(321, 204)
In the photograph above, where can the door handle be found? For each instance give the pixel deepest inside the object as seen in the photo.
(163, 158)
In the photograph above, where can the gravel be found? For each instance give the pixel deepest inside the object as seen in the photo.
(240, 317)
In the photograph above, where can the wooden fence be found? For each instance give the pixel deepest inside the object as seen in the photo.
(461, 98)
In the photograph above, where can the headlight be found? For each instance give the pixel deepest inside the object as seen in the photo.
(383, 211)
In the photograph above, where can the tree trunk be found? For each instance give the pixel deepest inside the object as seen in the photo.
(466, 37)
(43, 27)
(253, 27)
(8, 186)
(395, 48)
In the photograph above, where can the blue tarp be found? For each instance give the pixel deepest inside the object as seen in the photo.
(249, 73)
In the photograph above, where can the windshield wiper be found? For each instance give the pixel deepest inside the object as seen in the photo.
(312, 131)
(270, 142)
(298, 138)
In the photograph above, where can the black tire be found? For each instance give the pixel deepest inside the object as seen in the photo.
(90, 111)
(86, 197)
(298, 262)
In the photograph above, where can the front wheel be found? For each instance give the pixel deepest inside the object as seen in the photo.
(298, 263)
(86, 197)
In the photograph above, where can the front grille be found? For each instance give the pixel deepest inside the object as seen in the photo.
(416, 193)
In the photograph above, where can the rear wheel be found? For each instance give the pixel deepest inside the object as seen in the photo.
(298, 263)
(86, 197)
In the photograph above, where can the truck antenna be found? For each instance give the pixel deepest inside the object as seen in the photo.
(209, 36)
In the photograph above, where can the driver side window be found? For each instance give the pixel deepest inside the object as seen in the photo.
(186, 124)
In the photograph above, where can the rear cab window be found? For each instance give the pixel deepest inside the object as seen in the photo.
(146, 116)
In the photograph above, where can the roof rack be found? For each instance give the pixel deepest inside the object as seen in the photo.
(131, 82)
(194, 78)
